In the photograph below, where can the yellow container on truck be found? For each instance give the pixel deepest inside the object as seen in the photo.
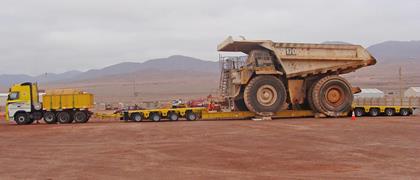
(63, 106)
(77, 100)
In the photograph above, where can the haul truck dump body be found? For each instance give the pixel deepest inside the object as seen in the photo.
(63, 106)
(279, 76)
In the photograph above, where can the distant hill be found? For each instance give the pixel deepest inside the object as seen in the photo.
(172, 63)
(396, 51)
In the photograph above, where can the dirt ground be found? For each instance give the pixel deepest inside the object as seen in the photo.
(368, 148)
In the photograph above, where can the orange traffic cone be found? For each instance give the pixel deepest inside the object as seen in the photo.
(353, 116)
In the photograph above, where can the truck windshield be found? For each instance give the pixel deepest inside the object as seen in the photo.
(13, 96)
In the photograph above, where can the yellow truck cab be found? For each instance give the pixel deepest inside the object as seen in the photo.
(63, 106)
(22, 102)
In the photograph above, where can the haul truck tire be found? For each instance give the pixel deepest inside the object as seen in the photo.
(265, 93)
(374, 112)
(64, 118)
(80, 117)
(332, 96)
(50, 118)
(240, 103)
(22, 118)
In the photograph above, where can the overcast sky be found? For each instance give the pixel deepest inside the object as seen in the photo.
(38, 36)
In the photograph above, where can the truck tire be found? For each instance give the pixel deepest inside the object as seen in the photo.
(359, 112)
(155, 117)
(50, 117)
(310, 97)
(389, 111)
(173, 116)
(80, 117)
(265, 93)
(332, 96)
(404, 112)
(136, 117)
(374, 112)
(240, 104)
(22, 119)
(191, 116)
(64, 118)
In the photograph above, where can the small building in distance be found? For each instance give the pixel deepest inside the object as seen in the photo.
(412, 92)
(370, 93)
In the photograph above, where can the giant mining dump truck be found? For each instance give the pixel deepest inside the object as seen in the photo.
(280, 76)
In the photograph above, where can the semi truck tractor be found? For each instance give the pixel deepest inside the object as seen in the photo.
(62, 106)
(279, 76)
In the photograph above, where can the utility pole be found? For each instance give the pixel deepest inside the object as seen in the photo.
(400, 84)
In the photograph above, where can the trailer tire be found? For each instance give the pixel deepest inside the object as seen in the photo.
(389, 112)
(265, 93)
(359, 112)
(64, 118)
(173, 116)
(22, 118)
(155, 117)
(50, 117)
(404, 112)
(374, 112)
(136, 117)
(191, 116)
(80, 117)
(332, 96)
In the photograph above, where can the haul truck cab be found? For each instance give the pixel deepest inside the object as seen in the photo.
(63, 106)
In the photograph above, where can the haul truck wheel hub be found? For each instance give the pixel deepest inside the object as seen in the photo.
(266, 95)
(334, 95)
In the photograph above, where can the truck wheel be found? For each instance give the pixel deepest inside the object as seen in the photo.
(310, 97)
(359, 112)
(265, 93)
(374, 112)
(389, 112)
(404, 112)
(173, 116)
(240, 105)
(80, 117)
(22, 119)
(155, 117)
(50, 118)
(136, 117)
(191, 116)
(332, 96)
(64, 118)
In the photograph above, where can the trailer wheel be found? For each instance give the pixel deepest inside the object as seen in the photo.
(404, 112)
(64, 117)
(265, 93)
(359, 112)
(173, 116)
(22, 118)
(80, 117)
(155, 117)
(332, 96)
(374, 112)
(50, 118)
(136, 117)
(389, 112)
(191, 116)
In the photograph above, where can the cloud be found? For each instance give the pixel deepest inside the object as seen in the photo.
(56, 36)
